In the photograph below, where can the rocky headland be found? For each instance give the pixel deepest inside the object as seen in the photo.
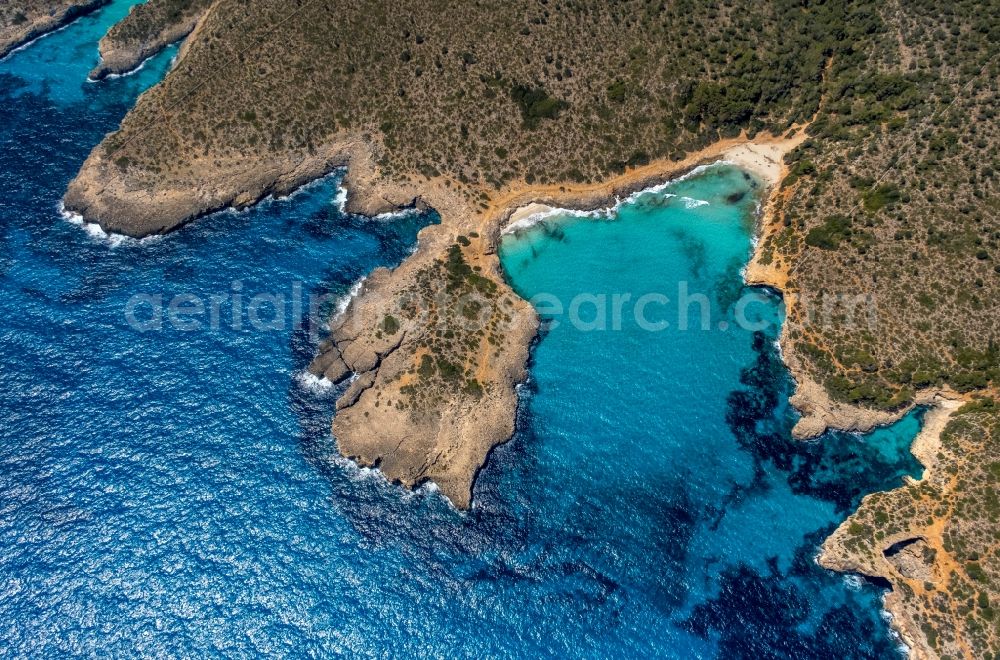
(149, 28)
(399, 413)
(23, 21)
(934, 539)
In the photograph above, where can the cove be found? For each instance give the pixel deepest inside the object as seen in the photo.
(177, 492)
(675, 441)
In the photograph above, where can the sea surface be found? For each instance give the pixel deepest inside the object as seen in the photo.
(169, 486)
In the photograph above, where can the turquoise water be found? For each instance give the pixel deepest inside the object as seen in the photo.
(675, 439)
(176, 492)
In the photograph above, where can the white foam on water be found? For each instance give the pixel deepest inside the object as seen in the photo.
(755, 238)
(358, 473)
(853, 582)
(27, 44)
(142, 64)
(394, 215)
(532, 220)
(69, 216)
(137, 69)
(340, 202)
(690, 203)
(313, 383)
(96, 232)
(272, 198)
(901, 646)
(431, 489)
(345, 301)
(340, 199)
(660, 187)
(372, 475)
(637, 196)
(535, 218)
(294, 193)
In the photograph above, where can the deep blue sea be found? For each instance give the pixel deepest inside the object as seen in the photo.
(172, 492)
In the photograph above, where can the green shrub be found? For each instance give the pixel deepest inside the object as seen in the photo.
(426, 368)
(874, 199)
(828, 236)
(390, 324)
(448, 370)
(536, 104)
(617, 91)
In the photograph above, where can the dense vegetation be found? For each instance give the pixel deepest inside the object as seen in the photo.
(447, 88)
(895, 196)
(464, 316)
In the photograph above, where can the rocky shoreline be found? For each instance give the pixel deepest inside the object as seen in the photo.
(449, 445)
(908, 567)
(17, 35)
(121, 55)
(819, 413)
(103, 194)
(408, 448)
(120, 59)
